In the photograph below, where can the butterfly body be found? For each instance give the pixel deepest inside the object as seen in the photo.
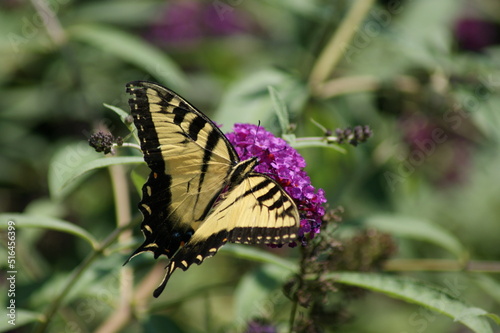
(199, 195)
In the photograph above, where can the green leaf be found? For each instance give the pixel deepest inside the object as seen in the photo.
(23, 317)
(73, 161)
(494, 317)
(123, 117)
(157, 324)
(63, 165)
(419, 229)
(131, 49)
(120, 112)
(301, 7)
(248, 101)
(32, 221)
(257, 289)
(290, 138)
(138, 180)
(258, 255)
(280, 108)
(489, 285)
(416, 292)
(122, 12)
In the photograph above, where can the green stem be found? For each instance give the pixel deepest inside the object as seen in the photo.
(76, 275)
(50, 21)
(122, 314)
(302, 273)
(130, 145)
(347, 85)
(366, 83)
(292, 315)
(331, 54)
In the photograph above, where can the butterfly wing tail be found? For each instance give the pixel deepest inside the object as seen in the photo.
(193, 253)
(169, 270)
(136, 252)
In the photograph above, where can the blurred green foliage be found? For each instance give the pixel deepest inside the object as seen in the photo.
(424, 75)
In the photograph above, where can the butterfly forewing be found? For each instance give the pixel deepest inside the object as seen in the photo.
(190, 160)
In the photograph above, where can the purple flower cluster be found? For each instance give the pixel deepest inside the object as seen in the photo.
(190, 21)
(285, 165)
(258, 326)
(476, 34)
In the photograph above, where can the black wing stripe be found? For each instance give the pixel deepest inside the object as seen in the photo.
(278, 203)
(269, 194)
(263, 184)
(212, 140)
(165, 99)
(196, 125)
(180, 114)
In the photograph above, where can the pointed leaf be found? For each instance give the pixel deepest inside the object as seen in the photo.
(68, 165)
(257, 289)
(248, 100)
(132, 49)
(255, 254)
(280, 109)
(32, 221)
(138, 181)
(416, 228)
(23, 317)
(489, 285)
(124, 116)
(63, 165)
(416, 292)
(121, 113)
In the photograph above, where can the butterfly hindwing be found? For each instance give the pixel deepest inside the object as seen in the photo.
(256, 211)
(190, 160)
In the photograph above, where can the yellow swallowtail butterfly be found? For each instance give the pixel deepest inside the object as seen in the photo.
(199, 194)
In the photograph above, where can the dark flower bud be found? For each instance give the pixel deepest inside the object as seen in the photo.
(353, 136)
(101, 142)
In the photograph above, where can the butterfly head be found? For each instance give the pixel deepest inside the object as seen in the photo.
(242, 169)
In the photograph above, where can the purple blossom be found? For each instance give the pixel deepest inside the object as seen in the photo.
(284, 164)
(191, 21)
(258, 326)
(476, 34)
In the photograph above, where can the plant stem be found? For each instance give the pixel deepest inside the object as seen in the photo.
(292, 315)
(335, 47)
(76, 275)
(122, 313)
(128, 144)
(51, 22)
(347, 85)
(302, 273)
(354, 84)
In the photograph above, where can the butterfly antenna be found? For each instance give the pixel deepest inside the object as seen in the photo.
(256, 132)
